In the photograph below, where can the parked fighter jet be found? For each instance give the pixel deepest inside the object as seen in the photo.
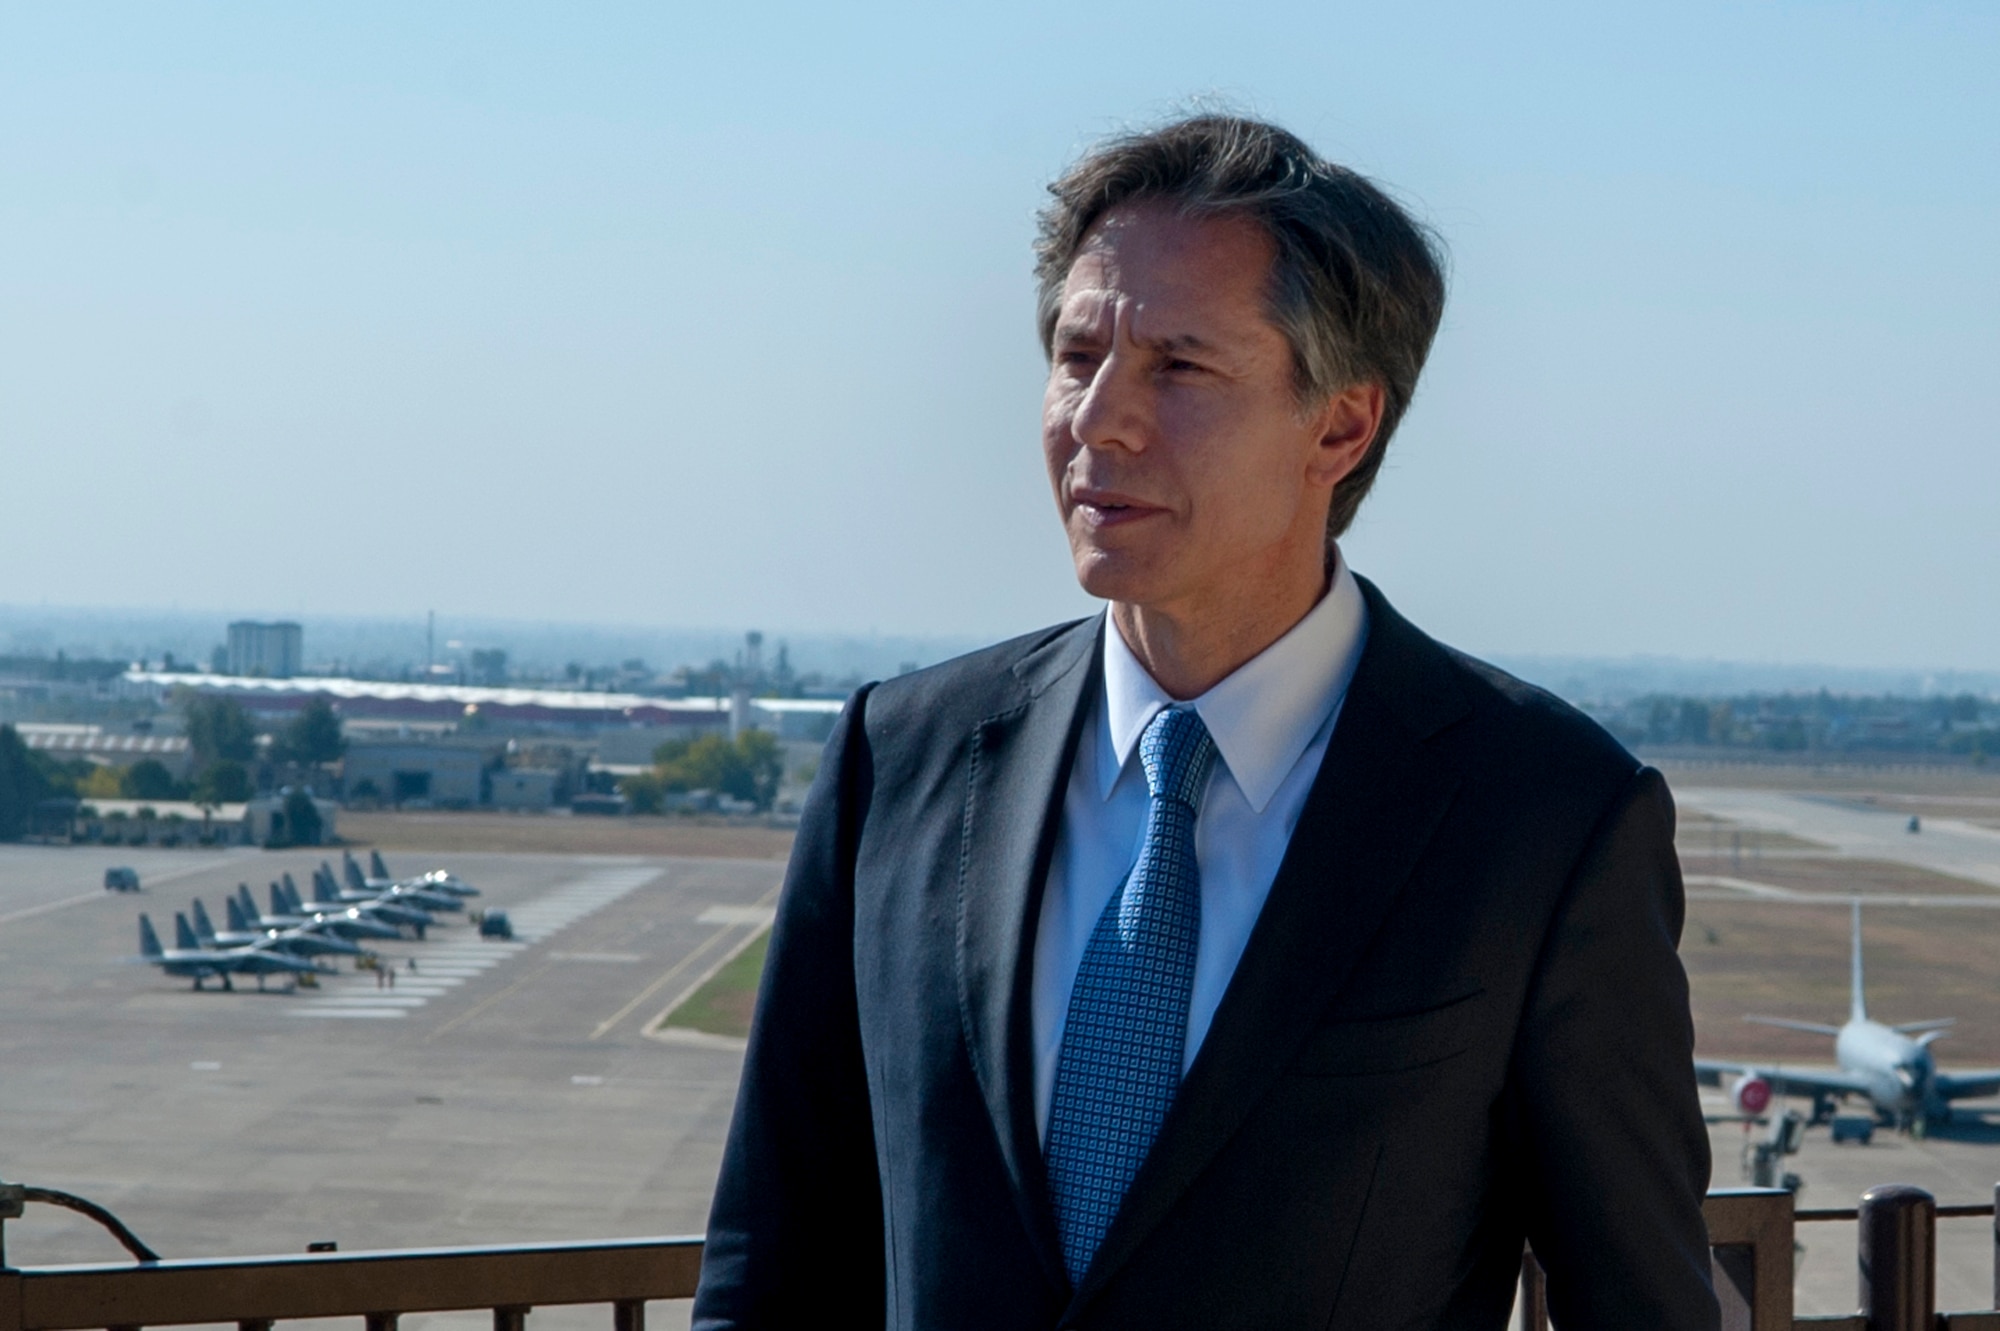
(306, 940)
(1883, 1064)
(437, 880)
(361, 888)
(286, 913)
(189, 960)
(390, 910)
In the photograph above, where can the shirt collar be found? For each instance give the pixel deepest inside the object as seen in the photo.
(1267, 711)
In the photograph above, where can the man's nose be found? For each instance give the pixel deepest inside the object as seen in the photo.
(1111, 412)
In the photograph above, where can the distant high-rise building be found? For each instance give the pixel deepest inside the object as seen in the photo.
(271, 650)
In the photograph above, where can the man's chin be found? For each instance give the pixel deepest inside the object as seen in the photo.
(1116, 577)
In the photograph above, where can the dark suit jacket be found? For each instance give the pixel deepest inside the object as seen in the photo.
(1460, 1020)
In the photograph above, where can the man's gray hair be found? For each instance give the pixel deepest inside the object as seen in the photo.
(1357, 287)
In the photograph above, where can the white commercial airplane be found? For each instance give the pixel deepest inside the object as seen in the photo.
(1891, 1066)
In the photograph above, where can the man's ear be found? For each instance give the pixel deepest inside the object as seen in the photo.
(1347, 425)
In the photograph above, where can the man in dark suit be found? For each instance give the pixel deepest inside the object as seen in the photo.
(1242, 957)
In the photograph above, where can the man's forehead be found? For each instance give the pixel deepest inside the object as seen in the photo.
(1167, 276)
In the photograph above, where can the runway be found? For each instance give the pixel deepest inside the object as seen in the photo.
(1852, 829)
(500, 1093)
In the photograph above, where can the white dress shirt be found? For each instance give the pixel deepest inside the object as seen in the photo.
(1271, 720)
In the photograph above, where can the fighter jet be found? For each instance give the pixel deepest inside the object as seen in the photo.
(189, 960)
(286, 913)
(437, 880)
(1882, 1064)
(361, 888)
(328, 897)
(305, 940)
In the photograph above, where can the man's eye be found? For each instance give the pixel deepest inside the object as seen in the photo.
(1176, 365)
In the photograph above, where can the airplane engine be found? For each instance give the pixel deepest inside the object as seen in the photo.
(1751, 1095)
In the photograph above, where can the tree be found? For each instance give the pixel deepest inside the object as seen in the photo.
(219, 730)
(22, 785)
(222, 783)
(148, 779)
(313, 736)
(747, 768)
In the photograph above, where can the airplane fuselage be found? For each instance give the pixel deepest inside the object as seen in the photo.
(1898, 1071)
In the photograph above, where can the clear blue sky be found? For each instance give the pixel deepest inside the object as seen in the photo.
(720, 315)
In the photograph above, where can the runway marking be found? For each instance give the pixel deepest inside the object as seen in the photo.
(48, 906)
(760, 915)
(757, 915)
(452, 963)
(1740, 889)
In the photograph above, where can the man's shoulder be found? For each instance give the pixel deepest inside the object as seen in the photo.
(965, 690)
(1496, 720)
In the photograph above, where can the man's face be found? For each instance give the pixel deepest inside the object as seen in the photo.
(1183, 468)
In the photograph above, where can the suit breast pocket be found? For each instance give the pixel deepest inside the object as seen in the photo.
(1361, 1046)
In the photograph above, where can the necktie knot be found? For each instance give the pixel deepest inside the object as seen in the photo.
(1177, 752)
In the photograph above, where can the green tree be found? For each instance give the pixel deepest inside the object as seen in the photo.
(22, 785)
(148, 779)
(313, 736)
(747, 768)
(224, 782)
(219, 730)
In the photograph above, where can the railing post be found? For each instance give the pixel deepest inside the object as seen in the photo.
(381, 1321)
(514, 1317)
(628, 1315)
(1899, 1258)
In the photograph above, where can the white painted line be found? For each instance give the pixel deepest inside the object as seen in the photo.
(49, 906)
(757, 916)
(348, 1012)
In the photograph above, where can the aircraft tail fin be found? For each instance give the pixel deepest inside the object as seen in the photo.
(279, 906)
(375, 865)
(204, 928)
(324, 888)
(238, 921)
(1859, 1011)
(352, 868)
(149, 942)
(183, 934)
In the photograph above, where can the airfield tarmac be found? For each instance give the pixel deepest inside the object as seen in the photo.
(1768, 933)
(500, 1093)
(512, 1096)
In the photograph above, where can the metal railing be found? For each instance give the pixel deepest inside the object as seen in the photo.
(378, 1287)
(1751, 1232)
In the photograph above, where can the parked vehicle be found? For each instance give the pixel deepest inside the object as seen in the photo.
(121, 879)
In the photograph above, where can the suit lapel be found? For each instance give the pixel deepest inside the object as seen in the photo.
(1379, 795)
(1018, 772)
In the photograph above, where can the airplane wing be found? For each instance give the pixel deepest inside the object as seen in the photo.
(1711, 1073)
(1968, 1083)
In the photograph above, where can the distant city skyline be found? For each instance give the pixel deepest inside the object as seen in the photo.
(544, 648)
(629, 314)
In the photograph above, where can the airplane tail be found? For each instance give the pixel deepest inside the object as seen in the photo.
(375, 865)
(324, 888)
(238, 922)
(149, 942)
(183, 935)
(204, 928)
(291, 888)
(352, 868)
(1860, 1009)
(279, 906)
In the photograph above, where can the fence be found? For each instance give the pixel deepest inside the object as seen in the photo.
(1751, 1232)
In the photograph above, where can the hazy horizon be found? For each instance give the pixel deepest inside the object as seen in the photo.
(633, 315)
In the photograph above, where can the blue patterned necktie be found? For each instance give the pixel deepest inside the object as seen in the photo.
(1126, 1035)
